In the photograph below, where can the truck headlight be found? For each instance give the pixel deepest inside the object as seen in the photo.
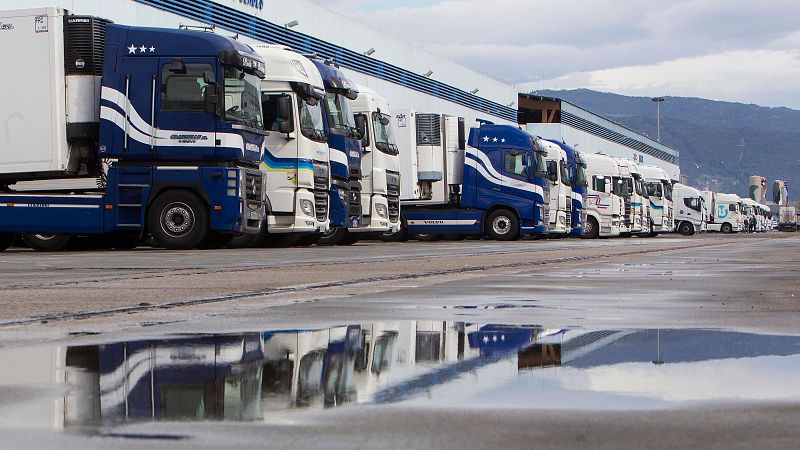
(380, 208)
(307, 206)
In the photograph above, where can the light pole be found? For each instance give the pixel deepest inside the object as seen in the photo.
(658, 101)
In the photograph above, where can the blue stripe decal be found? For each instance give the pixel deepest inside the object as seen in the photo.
(275, 164)
(654, 206)
(208, 12)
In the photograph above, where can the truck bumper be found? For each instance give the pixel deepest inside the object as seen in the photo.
(378, 219)
(301, 221)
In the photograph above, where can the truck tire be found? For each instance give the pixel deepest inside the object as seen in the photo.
(351, 238)
(502, 225)
(427, 237)
(178, 220)
(333, 236)
(726, 228)
(307, 240)
(686, 228)
(591, 229)
(42, 242)
(6, 240)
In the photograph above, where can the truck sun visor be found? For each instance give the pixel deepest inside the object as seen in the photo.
(249, 64)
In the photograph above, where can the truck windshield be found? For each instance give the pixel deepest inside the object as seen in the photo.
(541, 165)
(581, 176)
(565, 175)
(654, 189)
(667, 190)
(242, 98)
(639, 187)
(340, 113)
(619, 187)
(384, 136)
(311, 124)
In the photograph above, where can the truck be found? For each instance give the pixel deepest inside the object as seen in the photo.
(344, 146)
(493, 183)
(639, 213)
(380, 164)
(123, 131)
(690, 210)
(578, 184)
(787, 218)
(604, 199)
(295, 163)
(560, 206)
(724, 211)
(659, 192)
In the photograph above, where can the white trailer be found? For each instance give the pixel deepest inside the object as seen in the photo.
(690, 210)
(724, 211)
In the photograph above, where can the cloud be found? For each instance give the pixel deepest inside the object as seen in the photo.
(530, 41)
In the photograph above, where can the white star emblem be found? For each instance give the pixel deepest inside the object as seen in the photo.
(486, 139)
(485, 339)
(494, 140)
(143, 48)
(152, 49)
(503, 140)
(131, 49)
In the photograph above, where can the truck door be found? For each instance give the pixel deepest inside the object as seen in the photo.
(129, 106)
(185, 127)
(517, 188)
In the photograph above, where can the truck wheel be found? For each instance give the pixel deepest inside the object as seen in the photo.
(502, 225)
(215, 241)
(178, 220)
(307, 240)
(351, 238)
(333, 236)
(426, 237)
(591, 230)
(6, 240)
(726, 228)
(686, 229)
(46, 242)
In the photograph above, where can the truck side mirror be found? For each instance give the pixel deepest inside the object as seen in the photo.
(607, 185)
(285, 117)
(361, 126)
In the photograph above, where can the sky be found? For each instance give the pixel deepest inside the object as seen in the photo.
(734, 50)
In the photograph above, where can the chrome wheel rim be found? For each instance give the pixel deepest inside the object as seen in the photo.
(177, 219)
(501, 225)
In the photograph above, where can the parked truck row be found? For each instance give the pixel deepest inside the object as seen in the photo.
(190, 139)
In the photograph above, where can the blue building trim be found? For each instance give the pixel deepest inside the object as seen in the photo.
(211, 13)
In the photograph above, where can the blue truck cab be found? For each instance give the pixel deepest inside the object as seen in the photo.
(344, 142)
(502, 192)
(177, 143)
(577, 173)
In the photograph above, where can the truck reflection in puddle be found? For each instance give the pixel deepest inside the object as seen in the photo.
(256, 376)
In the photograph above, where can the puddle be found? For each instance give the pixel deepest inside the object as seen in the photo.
(269, 375)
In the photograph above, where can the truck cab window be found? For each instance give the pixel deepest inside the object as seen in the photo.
(311, 124)
(552, 168)
(514, 163)
(269, 103)
(599, 183)
(184, 91)
(693, 203)
(565, 173)
(732, 207)
(242, 98)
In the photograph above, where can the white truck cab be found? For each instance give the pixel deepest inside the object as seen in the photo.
(690, 209)
(604, 202)
(296, 157)
(380, 164)
(639, 201)
(724, 211)
(560, 209)
(659, 191)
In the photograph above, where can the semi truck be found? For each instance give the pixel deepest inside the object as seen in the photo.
(787, 218)
(576, 168)
(295, 162)
(604, 200)
(690, 209)
(560, 206)
(122, 131)
(344, 145)
(380, 164)
(659, 192)
(492, 183)
(637, 196)
(724, 211)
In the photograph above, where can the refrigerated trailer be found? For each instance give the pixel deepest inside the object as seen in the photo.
(493, 182)
(124, 130)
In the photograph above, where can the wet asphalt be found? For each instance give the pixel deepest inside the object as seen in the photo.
(468, 344)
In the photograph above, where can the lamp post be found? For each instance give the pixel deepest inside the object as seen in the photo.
(658, 101)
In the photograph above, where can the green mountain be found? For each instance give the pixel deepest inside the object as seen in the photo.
(721, 143)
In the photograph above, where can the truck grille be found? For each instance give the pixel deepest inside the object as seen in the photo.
(429, 129)
(628, 220)
(393, 195)
(321, 191)
(253, 186)
(569, 212)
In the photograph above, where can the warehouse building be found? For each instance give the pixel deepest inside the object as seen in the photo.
(553, 118)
